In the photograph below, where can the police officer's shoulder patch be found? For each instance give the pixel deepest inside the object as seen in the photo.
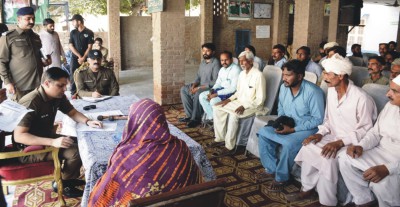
(7, 32)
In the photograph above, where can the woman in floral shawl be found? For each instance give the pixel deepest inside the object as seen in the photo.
(148, 161)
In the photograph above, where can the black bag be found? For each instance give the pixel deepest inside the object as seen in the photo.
(280, 121)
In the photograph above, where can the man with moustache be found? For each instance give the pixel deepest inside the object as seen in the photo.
(51, 43)
(248, 100)
(356, 50)
(349, 114)
(304, 102)
(205, 79)
(395, 69)
(304, 55)
(373, 165)
(96, 80)
(383, 49)
(375, 67)
(80, 43)
(21, 62)
(278, 56)
(224, 87)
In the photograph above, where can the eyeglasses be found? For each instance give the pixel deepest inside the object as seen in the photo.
(86, 108)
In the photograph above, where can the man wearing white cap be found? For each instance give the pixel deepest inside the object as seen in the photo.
(349, 114)
(373, 165)
(328, 46)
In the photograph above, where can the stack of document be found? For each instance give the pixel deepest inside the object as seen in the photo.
(11, 113)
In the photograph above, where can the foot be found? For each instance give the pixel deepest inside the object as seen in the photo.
(369, 204)
(293, 197)
(214, 144)
(192, 124)
(276, 186)
(184, 119)
(264, 176)
(223, 152)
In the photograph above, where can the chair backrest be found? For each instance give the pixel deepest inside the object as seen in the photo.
(273, 78)
(357, 61)
(312, 77)
(209, 194)
(358, 74)
(378, 93)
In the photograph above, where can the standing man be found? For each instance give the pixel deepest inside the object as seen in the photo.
(21, 63)
(304, 102)
(98, 45)
(350, 113)
(36, 128)
(51, 43)
(205, 79)
(304, 55)
(248, 99)
(373, 165)
(80, 43)
(95, 80)
(375, 67)
(224, 87)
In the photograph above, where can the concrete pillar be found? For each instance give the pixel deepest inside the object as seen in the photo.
(280, 28)
(206, 21)
(308, 24)
(114, 34)
(333, 21)
(169, 52)
(398, 36)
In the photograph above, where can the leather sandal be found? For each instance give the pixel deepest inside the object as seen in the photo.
(302, 195)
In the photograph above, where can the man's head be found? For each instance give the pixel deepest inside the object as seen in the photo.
(356, 50)
(336, 49)
(94, 59)
(395, 69)
(278, 51)
(321, 48)
(337, 69)
(208, 50)
(375, 65)
(98, 41)
(246, 59)
(394, 92)
(49, 25)
(383, 49)
(390, 56)
(251, 49)
(303, 53)
(293, 73)
(26, 18)
(77, 20)
(54, 82)
(226, 59)
(392, 46)
(329, 45)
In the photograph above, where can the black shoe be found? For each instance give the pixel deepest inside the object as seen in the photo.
(184, 119)
(73, 182)
(72, 192)
(192, 124)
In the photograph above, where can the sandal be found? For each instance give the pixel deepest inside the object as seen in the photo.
(214, 144)
(223, 152)
(263, 176)
(276, 186)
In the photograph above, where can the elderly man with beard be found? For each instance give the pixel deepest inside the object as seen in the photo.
(51, 43)
(205, 79)
(373, 165)
(350, 113)
(95, 80)
(248, 99)
(304, 102)
(21, 63)
(375, 67)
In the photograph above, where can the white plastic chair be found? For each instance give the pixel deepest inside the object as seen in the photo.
(312, 77)
(358, 74)
(378, 93)
(273, 76)
(357, 61)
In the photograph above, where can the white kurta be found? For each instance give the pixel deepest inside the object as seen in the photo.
(51, 44)
(251, 94)
(381, 146)
(347, 119)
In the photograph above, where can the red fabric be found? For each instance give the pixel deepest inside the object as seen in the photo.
(18, 171)
(33, 148)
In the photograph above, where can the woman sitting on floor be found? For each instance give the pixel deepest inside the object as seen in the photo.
(148, 161)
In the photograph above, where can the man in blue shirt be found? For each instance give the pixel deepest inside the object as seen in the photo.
(304, 102)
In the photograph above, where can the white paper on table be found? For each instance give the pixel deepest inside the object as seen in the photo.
(68, 127)
(107, 127)
(94, 100)
(11, 113)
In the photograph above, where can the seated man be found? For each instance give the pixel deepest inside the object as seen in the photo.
(257, 60)
(303, 54)
(36, 128)
(383, 49)
(349, 114)
(278, 56)
(373, 165)
(356, 50)
(304, 102)
(224, 87)
(205, 79)
(395, 69)
(375, 67)
(95, 80)
(328, 46)
(248, 99)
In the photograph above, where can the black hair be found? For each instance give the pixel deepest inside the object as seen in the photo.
(339, 50)
(296, 66)
(209, 45)
(99, 39)
(227, 53)
(54, 74)
(354, 46)
(380, 59)
(322, 44)
(280, 47)
(47, 21)
(305, 48)
(386, 45)
(251, 48)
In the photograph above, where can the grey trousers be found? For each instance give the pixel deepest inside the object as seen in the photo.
(191, 103)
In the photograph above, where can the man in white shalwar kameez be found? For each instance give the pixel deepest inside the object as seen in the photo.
(350, 113)
(245, 102)
(373, 166)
